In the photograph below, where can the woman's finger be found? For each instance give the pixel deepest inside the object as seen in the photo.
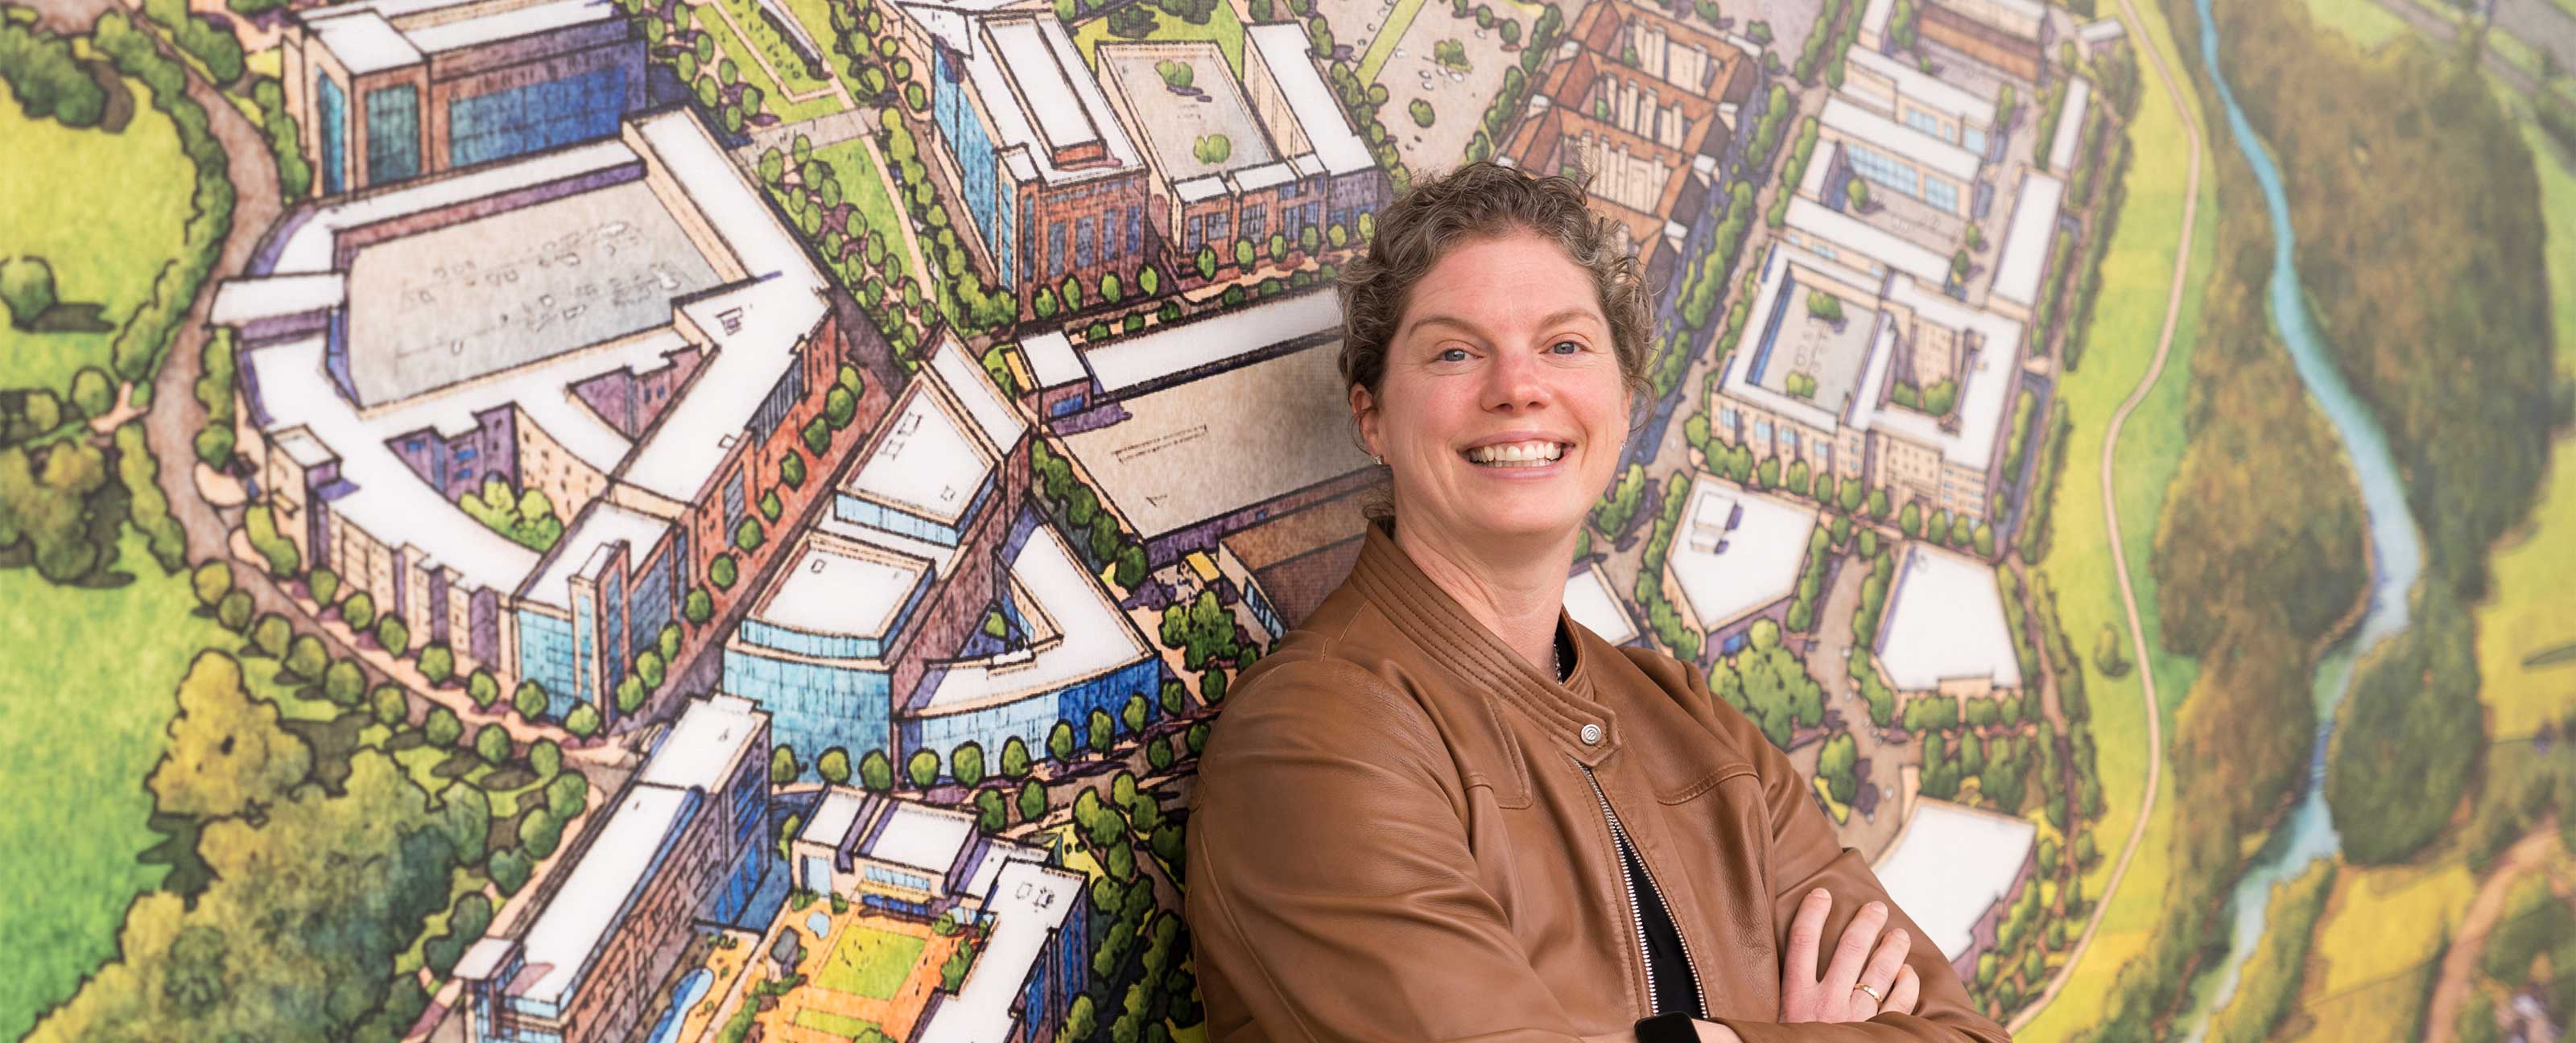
(1849, 954)
(1880, 975)
(1901, 997)
(1806, 937)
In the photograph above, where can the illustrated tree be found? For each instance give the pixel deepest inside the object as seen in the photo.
(966, 763)
(783, 768)
(834, 766)
(922, 768)
(876, 773)
(1015, 758)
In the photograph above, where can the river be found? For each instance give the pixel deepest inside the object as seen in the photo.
(2396, 546)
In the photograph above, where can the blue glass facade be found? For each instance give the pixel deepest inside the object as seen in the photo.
(546, 655)
(393, 134)
(813, 706)
(334, 109)
(1030, 719)
(519, 120)
(874, 515)
(974, 152)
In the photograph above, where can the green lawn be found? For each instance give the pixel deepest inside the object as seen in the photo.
(773, 99)
(1392, 30)
(2127, 320)
(863, 187)
(2363, 21)
(775, 48)
(2534, 568)
(841, 1025)
(106, 211)
(1223, 27)
(869, 962)
(79, 731)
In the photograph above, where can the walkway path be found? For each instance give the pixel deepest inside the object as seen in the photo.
(2111, 516)
(2460, 961)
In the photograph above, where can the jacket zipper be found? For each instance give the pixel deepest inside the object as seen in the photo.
(1637, 913)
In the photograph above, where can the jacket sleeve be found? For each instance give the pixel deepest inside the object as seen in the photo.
(1331, 894)
(1805, 854)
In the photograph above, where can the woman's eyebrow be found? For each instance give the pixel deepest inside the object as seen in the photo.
(1552, 319)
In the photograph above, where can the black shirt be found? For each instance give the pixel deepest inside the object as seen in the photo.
(1676, 988)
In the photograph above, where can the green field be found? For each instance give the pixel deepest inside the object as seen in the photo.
(2527, 610)
(774, 100)
(1223, 27)
(863, 187)
(869, 962)
(2127, 320)
(77, 736)
(106, 211)
(2364, 22)
(841, 1025)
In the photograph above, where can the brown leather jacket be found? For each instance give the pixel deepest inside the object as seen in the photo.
(1395, 835)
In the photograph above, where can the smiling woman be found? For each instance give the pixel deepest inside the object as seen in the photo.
(1417, 796)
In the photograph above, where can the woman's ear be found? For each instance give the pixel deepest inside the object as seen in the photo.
(1364, 413)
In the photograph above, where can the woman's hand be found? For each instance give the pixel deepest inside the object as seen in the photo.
(1839, 995)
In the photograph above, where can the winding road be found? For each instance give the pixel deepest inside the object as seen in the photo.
(2111, 517)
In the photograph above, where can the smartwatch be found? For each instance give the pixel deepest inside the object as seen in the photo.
(1667, 1028)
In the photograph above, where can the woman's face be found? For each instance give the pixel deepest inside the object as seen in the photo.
(1502, 411)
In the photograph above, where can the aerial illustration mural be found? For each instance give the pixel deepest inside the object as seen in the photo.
(722, 520)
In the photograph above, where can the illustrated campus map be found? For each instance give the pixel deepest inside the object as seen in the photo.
(722, 520)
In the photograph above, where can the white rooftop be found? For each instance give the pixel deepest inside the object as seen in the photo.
(511, 24)
(1035, 87)
(391, 502)
(1284, 50)
(1853, 121)
(834, 816)
(2027, 239)
(1985, 389)
(2070, 124)
(604, 523)
(1735, 551)
(1080, 633)
(778, 307)
(1949, 864)
(923, 463)
(1945, 621)
(842, 588)
(1051, 359)
(924, 838)
(362, 40)
(608, 879)
(1178, 459)
(1181, 347)
(713, 734)
(1925, 89)
(1591, 602)
(250, 299)
(1845, 232)
(994, 417)
(1029, 903)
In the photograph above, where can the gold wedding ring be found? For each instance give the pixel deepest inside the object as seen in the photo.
(1873, 993)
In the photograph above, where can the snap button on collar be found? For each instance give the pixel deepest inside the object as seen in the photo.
(1592, 735)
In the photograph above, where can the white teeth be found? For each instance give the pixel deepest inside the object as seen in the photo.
(1517, 454)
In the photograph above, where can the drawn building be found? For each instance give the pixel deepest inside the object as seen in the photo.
(684, 843)
(1271, 154)
(1955, 870)
(1647, 107)
(872, 637)
(1874, 377)
(1053, 184)
(646, 346)
(2011, 35)
(388, 90)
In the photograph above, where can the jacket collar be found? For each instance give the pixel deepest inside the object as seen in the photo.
(1453, 638)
